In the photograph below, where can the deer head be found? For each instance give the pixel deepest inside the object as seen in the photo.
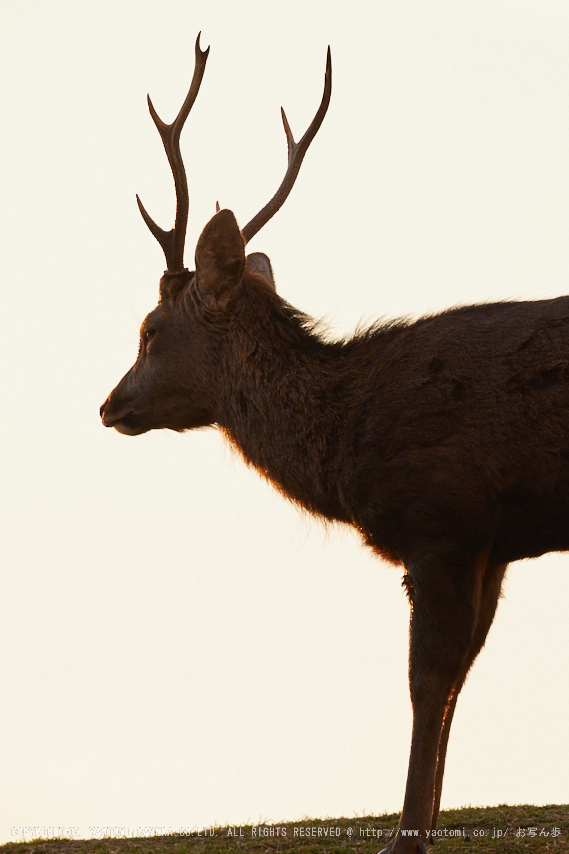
(173, 383)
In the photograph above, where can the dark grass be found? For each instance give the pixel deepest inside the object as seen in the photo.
(492, 830)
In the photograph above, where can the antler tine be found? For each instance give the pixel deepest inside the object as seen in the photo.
(172, 242)
(296, 152)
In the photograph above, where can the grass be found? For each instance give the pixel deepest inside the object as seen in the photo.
(493, 830)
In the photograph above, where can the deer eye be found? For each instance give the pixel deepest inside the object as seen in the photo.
(147, 335)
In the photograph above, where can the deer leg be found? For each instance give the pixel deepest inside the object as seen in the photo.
(445, 607)
(491, 587)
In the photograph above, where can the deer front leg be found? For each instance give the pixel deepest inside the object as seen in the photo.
(491, 588)
(445, 605)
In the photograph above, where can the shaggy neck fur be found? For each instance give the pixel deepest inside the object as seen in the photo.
(286, 400)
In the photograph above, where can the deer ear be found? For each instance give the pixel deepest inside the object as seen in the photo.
(220, 257)
(258, 262)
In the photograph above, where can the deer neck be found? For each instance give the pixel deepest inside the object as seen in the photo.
(281, 405)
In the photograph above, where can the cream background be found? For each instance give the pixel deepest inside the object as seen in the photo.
(179, 646)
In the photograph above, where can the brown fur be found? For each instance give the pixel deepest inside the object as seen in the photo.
(444, 442)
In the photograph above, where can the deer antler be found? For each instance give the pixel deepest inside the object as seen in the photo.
(296, 152)
(172, 242)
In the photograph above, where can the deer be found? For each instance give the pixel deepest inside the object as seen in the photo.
(444, 440)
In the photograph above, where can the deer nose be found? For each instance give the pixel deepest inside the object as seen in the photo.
(102, 410)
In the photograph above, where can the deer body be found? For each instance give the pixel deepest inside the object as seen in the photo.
(443, 441)
(447, 431)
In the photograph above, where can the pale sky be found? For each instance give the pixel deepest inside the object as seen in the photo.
(178, 645)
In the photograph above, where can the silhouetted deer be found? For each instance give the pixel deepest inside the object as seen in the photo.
(444, 442)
